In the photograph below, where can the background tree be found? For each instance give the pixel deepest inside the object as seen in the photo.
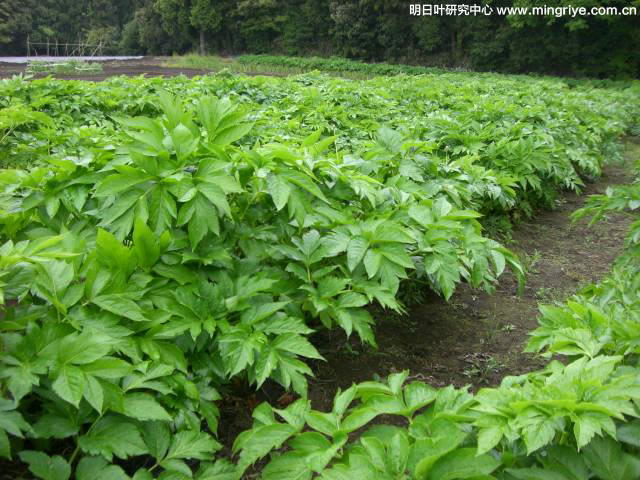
(373, 30)
(206, 18)
(175, 18)
(15, 22)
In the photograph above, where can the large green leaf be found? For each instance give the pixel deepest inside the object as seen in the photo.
(120, 304)
(279, 189)
(113, 435)
(463, 463)
(45, 467)
(70, 384)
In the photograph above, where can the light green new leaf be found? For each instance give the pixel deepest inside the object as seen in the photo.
(279, 189)
(142, 406)
(70, 384)
(146, 244)
(356, 250)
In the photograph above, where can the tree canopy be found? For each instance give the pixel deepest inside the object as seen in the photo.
(372, 30)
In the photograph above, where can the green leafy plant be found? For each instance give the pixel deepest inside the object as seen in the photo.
(160, 238)
(603, 318)
(542, 421)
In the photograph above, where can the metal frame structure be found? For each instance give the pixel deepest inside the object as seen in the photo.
(54, 49)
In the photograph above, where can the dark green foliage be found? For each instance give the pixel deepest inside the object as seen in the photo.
(332, 64)
(371, 30)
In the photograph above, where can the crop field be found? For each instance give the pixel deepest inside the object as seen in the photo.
(94, 70)
(170, 244)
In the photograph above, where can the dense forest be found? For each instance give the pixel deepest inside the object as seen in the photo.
(371, 30)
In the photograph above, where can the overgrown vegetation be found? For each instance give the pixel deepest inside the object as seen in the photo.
(159, 238)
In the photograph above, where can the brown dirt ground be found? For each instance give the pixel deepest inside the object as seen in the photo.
(147, 66)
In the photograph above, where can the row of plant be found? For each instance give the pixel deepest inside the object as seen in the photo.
(550, 134)
(147, 261)
(286, 65)
(576, 420)
(565, 422)
(331, 64)
(147, 279)
(253, 65)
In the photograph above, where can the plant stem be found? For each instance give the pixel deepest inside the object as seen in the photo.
(75, 452)
(77, 449)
